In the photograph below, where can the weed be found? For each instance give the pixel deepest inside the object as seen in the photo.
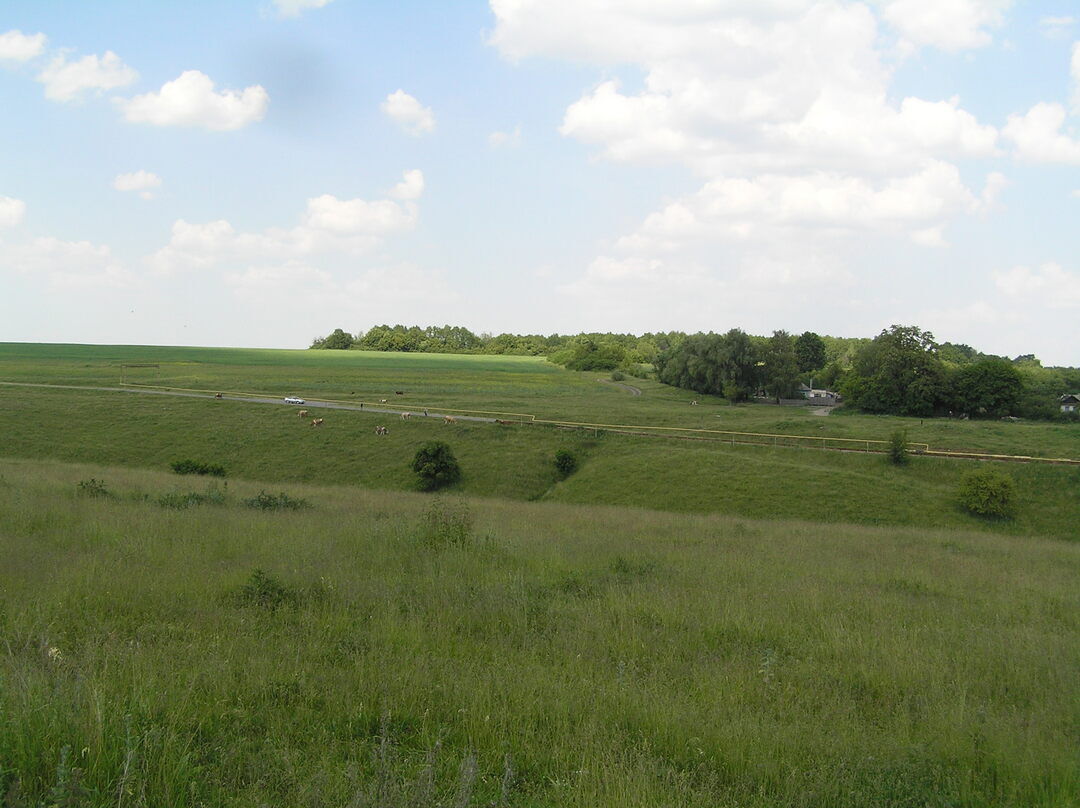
(179, 501)
(264, 591)
(276, 502)
(444, 525)
(195, 467)
(94, 488)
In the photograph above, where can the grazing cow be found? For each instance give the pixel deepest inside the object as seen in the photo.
(693, 403)
(317, 422)
(405, 416)
(399, 392)
(381, 430)
(302, 414)
(382, 400)
(449, 419)
(218, 395)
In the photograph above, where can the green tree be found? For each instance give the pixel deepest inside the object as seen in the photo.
(989, 388)
(810, 352)
(338, 340)
(781, 368)
(435, 466)
(899, 373)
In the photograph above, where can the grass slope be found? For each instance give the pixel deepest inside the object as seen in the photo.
(619, 657)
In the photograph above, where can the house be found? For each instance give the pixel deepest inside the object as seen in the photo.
(1070, 402)
(816, 395)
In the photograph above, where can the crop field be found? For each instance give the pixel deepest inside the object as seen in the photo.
(677, 623)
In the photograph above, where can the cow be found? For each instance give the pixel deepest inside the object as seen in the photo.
(218, 395)
(317, 422)
(382, 400)
(693, 403)
(381, 430)
(399, 392)
(449, 419)
(405, 416)
(302, 414)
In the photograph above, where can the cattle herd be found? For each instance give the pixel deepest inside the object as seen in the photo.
(382, 430)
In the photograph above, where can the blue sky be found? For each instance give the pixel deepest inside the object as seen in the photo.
(259, 173)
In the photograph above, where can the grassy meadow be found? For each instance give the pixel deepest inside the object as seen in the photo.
(678, 623)
(399, 649)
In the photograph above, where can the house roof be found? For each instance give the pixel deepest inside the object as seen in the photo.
(1069, 397)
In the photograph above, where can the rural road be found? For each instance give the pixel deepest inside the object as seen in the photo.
(308, 404)
(634, 391)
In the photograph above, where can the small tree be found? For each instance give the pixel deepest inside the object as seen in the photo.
(565, 463)
(988, 492)
(435, 466)
(898, 451)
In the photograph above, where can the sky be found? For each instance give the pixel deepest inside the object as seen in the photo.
(259, 172)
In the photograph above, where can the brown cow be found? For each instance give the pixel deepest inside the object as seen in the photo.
(449, 419)
(302, 414)
(317, 422)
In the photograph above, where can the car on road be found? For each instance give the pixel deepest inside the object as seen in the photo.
(294, 400)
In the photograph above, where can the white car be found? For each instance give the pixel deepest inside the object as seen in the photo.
(293, 400)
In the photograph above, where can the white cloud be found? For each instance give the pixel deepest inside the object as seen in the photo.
(1054, 27)
(951, 25)
(408, 113)
(142, 181)
(15, 46)
(1050, 285)
(190, 100)
(1075, 70)
(12, 211)
(497, 140)
(1038, 136)
(294, 8)
(328, 226)
(66, 81)
(67, 264)
(411, 185)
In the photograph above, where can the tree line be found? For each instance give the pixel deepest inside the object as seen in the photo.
(901, 371)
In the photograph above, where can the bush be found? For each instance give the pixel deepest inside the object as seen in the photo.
(266, 592)
(435, 466)
(195, 467)
(180, 501)
(617, 375)
(898, 451)
(276, 502)
(93, 488)
(566, 463)
(987, 492)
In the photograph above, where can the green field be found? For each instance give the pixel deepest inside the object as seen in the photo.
(679, 622)
(613, 656)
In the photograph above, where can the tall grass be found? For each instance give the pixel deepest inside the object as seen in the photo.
(618, 656)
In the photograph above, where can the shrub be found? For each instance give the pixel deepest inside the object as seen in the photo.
(276, 502)
(566, 463)
(897, 450)
(93, 488)
(435, 466)
(445, 525)
(266, 592)
(180, 500)
(617, 375)
(988, 492)
(195, 467)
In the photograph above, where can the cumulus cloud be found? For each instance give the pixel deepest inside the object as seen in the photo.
(411, 185)
(1050, 284)
(951, 25)
(294, 8)
(1075, 70)
(408, 113)
(498, 140)
(67, 264)
(328, 225)
(15, 46)
(1038, 137)
(66, 81)
(190, 100)
(12, 211)
(142, 181)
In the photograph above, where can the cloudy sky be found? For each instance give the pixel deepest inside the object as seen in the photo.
(259, 172)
